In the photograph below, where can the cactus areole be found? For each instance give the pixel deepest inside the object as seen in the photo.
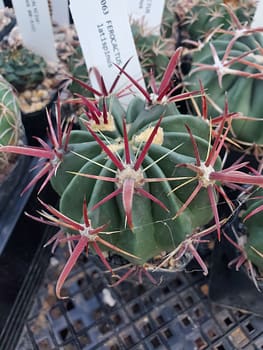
(127, 175)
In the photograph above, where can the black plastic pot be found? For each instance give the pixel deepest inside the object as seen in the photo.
(22, 258)
(11, 202)
(35, 123)
(4, 32)
(229, 287)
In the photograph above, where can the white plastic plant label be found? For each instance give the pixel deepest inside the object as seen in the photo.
(148, 12)
(60, 12)
(35, 26)
(106, 39)
(258, 18)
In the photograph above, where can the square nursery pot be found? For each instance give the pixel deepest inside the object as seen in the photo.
(36, 123)
(22, 256)
(231, 288)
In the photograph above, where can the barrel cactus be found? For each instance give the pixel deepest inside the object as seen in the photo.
(147, 172)
(138, 180)
(199, 18)
(232, 64)
(22, 68)
(11, 129)
(139, 155)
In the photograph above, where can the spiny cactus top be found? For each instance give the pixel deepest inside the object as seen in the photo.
(127, 175)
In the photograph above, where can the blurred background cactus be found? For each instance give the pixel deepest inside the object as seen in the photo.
(153, 50)
(22, 68)
(199, 18)
(232, 66)
(78, 69)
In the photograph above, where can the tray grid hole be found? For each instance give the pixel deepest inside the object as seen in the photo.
(200, 343)
(250, 328)
(128, 340)
(155, 342)
(186, 321)
(228, 321)
(168, 333)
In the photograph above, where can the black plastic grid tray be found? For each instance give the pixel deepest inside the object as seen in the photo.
(175, 315)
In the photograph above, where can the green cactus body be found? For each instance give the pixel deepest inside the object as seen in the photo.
(153, 50)
(168, 19)
(254, 244)
(10, 123)
(201, 17)
(78, 69)
(243, 93)
(22, 68)
(154, 229)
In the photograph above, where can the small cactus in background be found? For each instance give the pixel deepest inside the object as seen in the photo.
(153, 50)
(22, 68)
(199, 18)
(232, 64)
(78, 70)
(11, 129)
(168, 19)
